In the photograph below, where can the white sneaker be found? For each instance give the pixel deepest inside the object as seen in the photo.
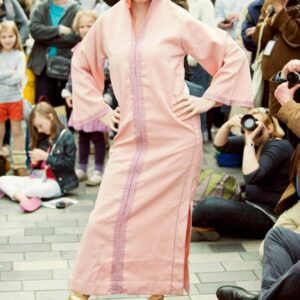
(94, 179)
(81, 175)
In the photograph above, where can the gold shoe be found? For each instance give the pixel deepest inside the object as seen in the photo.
(156, 297)
(77, 296)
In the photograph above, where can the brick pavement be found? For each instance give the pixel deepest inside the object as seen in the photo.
(37, 252)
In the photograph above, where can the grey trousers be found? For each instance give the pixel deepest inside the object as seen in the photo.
(281, 265)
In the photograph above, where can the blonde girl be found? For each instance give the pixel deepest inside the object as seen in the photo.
(12, 79)
(52, 157)
(91, 131)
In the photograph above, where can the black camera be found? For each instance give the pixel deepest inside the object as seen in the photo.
(293, 78)
(248, 122)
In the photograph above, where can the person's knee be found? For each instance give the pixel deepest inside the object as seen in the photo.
(276, 233)
(16, 129)
(207, 204)
(205, 209)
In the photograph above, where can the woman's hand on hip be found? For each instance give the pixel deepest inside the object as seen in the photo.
(112, 119)
(189, 106)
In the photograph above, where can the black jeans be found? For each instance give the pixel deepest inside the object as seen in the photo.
(232, 217)
(98, 140)
(49, 87)
(281, 265)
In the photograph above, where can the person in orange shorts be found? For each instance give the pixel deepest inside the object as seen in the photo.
(12, 78)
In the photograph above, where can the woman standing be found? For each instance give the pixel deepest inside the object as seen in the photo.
(137, 238)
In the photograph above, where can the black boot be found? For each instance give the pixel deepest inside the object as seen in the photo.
(234, 293)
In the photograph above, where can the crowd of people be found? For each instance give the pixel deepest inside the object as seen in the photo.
(41, 37)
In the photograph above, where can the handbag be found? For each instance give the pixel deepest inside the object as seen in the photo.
(257, 78)
(215, 184)
(58, 67)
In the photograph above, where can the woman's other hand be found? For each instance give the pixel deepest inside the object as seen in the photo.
(112, 119)
(69, 101)
(189, 106)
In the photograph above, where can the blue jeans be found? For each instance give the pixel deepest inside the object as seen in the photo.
(281, 265)
(231, 217)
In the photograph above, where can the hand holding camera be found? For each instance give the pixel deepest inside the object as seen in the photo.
(251, 127)
(284, 93)
(290, 72)
(235, 121)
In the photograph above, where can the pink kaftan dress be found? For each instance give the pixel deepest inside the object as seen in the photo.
(137, 237)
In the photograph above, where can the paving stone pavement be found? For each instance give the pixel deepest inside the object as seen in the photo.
(37, 253)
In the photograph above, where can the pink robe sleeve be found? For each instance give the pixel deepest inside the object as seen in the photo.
(222, 58)
(88, 78)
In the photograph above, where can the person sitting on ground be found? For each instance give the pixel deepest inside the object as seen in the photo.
(281, 259)
(281, 270)
(52, 154)
(265, 168)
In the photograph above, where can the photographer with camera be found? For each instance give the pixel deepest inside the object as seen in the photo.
(265, 168)
(287, 95)
(281, 260)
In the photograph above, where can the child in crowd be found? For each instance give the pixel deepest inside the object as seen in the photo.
(12, 79)
(94, 131)
(52, 156)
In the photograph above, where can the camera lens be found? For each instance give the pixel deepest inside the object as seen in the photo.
(293, 78)
(248, 122)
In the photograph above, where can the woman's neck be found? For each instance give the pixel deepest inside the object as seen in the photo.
(139, 10)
